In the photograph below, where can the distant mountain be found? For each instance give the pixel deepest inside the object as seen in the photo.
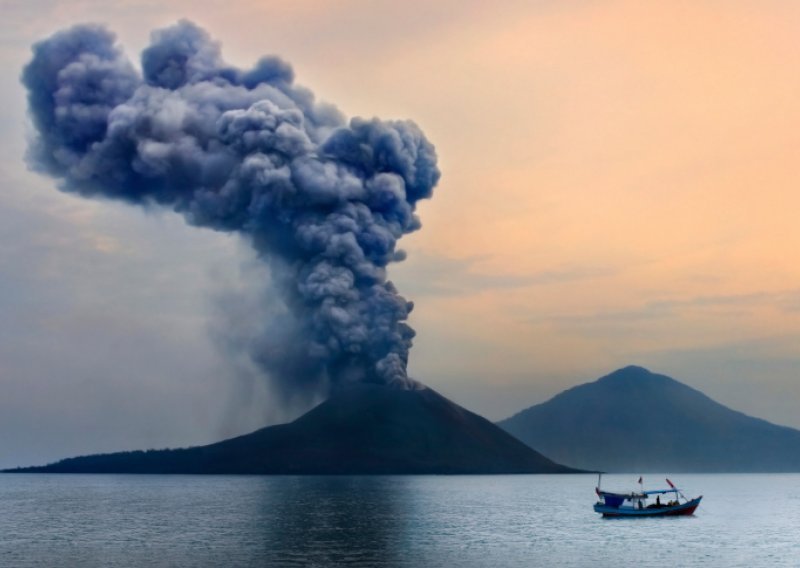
(636, 421)
(368, 429)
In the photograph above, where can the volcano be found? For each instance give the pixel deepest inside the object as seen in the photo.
(363, 429)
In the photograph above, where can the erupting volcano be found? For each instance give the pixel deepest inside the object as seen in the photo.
(322, 200)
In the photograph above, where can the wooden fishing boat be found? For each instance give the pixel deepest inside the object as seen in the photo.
(641, 503)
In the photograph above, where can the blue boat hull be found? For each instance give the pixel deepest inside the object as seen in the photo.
(687, 508)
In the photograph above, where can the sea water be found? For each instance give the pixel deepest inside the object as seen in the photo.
(130, 521)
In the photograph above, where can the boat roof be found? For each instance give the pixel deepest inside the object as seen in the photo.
(641, 493)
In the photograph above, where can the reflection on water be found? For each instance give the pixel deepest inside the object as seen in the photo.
(329, 521)
(128, 521)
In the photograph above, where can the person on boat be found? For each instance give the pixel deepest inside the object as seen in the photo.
(658, 500)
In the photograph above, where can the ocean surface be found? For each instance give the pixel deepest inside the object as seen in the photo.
(427, 521)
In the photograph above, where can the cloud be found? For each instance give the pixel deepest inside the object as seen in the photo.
(723, 305)
(435, 275)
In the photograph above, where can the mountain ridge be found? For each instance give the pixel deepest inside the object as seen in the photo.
(636, 420)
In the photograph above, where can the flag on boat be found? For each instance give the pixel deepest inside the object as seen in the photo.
(670, 483)
(640, 480)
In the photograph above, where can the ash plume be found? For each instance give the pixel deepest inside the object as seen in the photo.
(322, 200)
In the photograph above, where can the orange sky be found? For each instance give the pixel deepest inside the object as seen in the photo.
(635, 163)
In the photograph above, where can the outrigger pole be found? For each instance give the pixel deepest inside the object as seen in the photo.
(676, 489)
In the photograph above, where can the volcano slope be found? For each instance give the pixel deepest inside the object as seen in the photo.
(365, 429)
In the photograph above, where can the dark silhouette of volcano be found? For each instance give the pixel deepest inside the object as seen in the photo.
(636, 421)
(368, 429)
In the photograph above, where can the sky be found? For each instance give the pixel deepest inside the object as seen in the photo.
(618, 187)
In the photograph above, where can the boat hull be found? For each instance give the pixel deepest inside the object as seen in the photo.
(687, 508)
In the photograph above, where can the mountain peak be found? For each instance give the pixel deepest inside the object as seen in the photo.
(636, 377)
(633, 369)
(630, 372)
(636, 420)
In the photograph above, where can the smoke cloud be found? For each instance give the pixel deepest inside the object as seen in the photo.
(323, 200)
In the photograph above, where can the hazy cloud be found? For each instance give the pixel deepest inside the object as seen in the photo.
(426, 274)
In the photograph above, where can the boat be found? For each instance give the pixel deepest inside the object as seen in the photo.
(645, 503)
